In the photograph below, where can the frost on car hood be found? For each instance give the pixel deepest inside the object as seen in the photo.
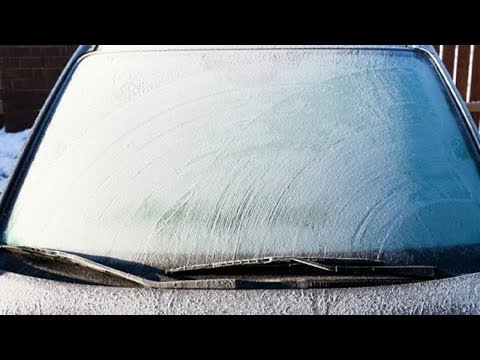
(199, 156)
(27, 295)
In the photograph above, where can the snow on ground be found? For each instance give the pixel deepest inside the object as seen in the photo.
(10, 146)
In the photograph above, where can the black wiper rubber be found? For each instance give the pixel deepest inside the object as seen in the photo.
(318, 263)
(337, 267)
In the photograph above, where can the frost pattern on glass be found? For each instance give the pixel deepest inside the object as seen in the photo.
(202, 156)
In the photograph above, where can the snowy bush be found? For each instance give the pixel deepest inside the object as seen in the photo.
(10, 146)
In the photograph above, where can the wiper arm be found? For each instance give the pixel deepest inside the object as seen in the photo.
(336, 267)
(65, 257)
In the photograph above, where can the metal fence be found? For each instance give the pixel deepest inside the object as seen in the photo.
(463, 62)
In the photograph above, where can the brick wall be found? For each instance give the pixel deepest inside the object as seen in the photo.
(27, 74)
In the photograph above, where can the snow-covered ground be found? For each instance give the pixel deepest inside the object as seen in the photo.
(10, 146)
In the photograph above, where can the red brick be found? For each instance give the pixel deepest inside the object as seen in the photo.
(14, 51)
(23, 100)
(44, 84)
(11, 61)
(51, 51)
(37, 73)
(38, 99)
(42, 93)
(45, 73)
(16, 73)
(31, 62)
(17, 100)
(18, 51)
(21, 120)
(23, 84)
(29, 73)
(55, 61)
(36, 50)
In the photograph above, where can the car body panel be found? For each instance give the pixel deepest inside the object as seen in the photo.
(27, 295)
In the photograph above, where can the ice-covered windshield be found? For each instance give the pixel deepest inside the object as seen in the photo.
(179, 157)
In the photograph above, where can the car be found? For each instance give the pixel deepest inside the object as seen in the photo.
(246, 180)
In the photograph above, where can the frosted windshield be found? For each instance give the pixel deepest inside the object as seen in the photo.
(182, 157)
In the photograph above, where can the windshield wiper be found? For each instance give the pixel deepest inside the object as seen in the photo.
(133, 280)
(328, 266)
(346, 272)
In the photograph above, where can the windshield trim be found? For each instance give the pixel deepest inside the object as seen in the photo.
(117, 49)
(14, 183)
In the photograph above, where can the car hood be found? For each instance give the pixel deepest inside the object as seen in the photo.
(26, 295)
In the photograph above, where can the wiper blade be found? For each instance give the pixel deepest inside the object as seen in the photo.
(322, 263)
(330, 266)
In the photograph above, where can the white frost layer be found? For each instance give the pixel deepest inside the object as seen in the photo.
(28, 295)
(218, 156)
(10, 146)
